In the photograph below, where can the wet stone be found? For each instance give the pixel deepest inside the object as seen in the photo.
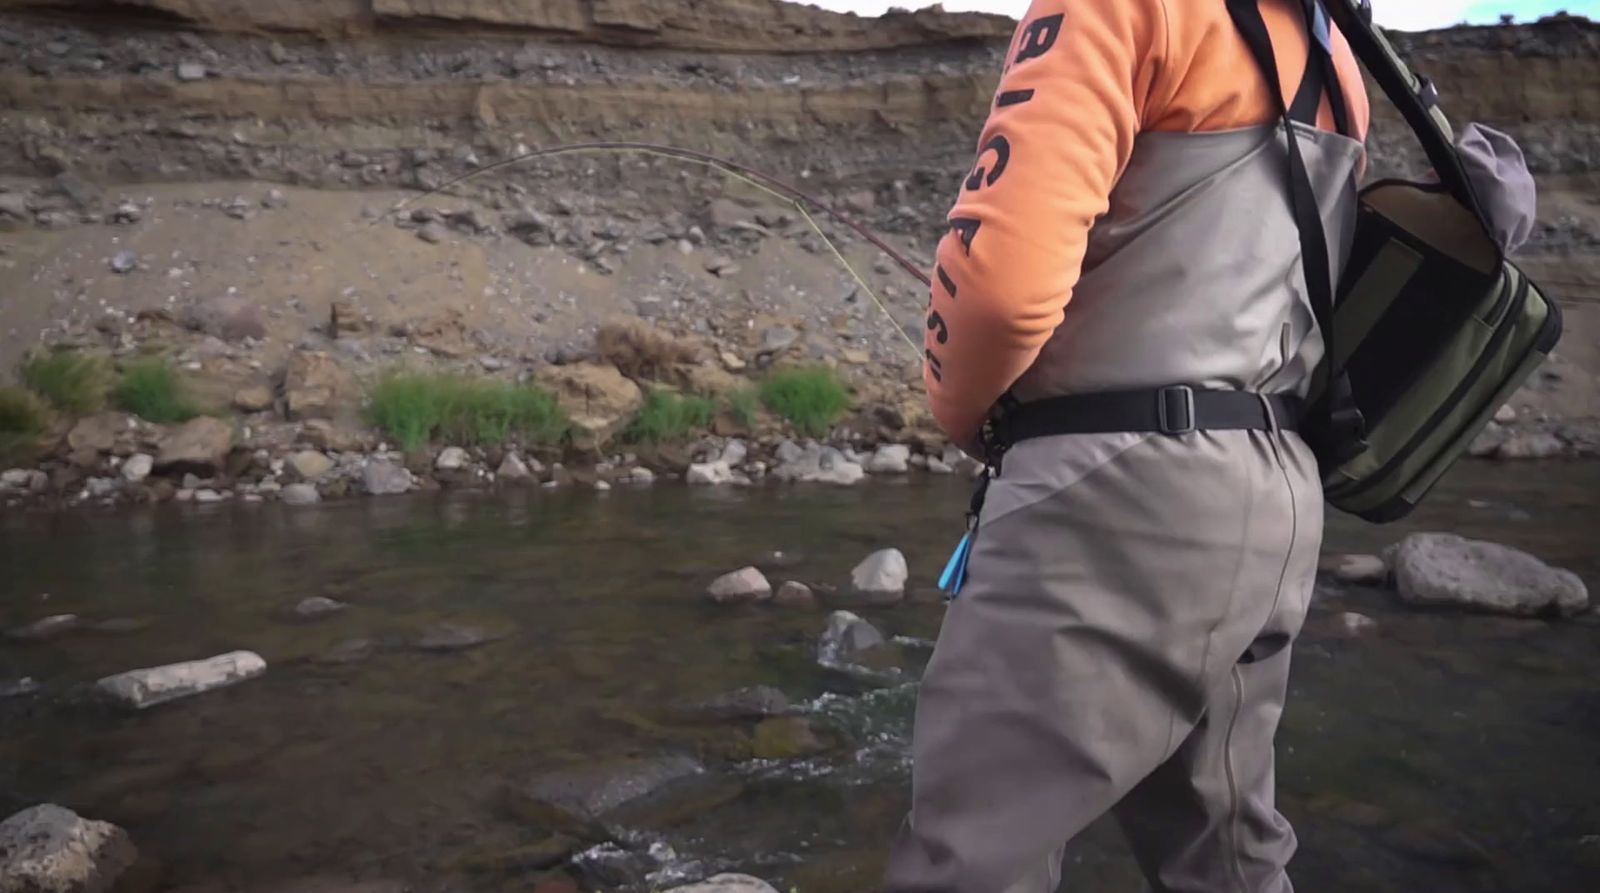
(576, 800)
(1438, 569)
(755, 702)
(728, 883)
(45, 628)
(846, 639)
(51, 849)
(740, 587)
(1359, 570)
(317, 607)
(787, 738)
(447, 637)
(19, 688)
(881, 577)
(794, 595)
(157, 685)
(349, 652)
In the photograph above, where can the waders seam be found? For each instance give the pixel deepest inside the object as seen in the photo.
(1233, 593)
(1233, 783)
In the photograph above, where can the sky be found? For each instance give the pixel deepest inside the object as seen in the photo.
(1404, 15)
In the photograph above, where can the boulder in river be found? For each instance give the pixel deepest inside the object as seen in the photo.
(728, 883)
(709, 474)
(740, 587)
(45, 628)
(846, 639)
(754, 702)
(317, 607)
(1441, 569)
(512, 468)
(299, 494)
(382, 478)
(817, 464)
(890, 459)
(199, 446)
(881, 577)
(157, 685)
(577, 800)
(51, 849)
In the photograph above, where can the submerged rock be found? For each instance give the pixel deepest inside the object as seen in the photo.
(45, 628)
(348, 652)
(1355, 569)
(846, 638)
(577, 800)
(1356, 625)
(19, 688)
(51, 849)
(455, 637)
(787, 738)
(1440, 569)
(728, 883)
(755, 702)
(157, 685)
(881, 577)
(794, 595)
(740, 587)
(317, 607)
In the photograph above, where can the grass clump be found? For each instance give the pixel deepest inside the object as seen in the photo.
(414, 408)
(811, 398)
(744, 404)
(70, 381)
(23, 418)
(153, 391)
(667, 416)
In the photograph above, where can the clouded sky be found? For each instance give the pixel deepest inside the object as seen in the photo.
(1408, 15)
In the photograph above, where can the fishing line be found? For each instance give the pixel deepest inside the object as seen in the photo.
(766, 183)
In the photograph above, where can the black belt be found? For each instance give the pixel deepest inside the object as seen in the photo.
(1177, 409)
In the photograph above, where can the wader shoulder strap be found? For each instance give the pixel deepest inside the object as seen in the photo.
(1333, 425)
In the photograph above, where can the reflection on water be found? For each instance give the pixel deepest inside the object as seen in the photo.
(1447, 753)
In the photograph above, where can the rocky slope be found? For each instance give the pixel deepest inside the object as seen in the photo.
(219, 180)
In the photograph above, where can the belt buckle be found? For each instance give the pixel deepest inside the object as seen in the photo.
(1175, 412)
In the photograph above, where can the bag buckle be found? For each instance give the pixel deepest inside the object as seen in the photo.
(1175, 409)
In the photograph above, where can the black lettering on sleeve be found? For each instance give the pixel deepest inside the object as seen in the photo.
(1013, 97)
(1039, 37)
(934, 366)
(1001, 147)
(966, 227)
(945, 280)
(937, 325)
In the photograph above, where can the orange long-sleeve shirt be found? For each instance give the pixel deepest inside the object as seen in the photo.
(1082, 81)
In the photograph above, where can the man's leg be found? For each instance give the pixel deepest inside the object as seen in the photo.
(1206, 820)
(1081, 653)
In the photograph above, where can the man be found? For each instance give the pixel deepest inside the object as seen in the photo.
(1124, 249)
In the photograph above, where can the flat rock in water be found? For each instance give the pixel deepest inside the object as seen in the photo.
(455, 637)
(51, 849)
(881, 577)
(576, 800)
(1360, 570)
(157, 685)
(728, 883)
(317, 607)
(741, 586)
(1441, 569)
(45, 628)
(846, 638)
(755, 702)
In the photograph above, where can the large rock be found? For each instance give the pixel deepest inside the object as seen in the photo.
(299, 494)
(1533, 445)
(794, 595)
(98, 433)
(231, 318)
(512, 468)
(310, 464)
(890, 459)
(739, 587)
(846, 639)
(51, 849)
(1441, 569)
(728, 883)
(315, 386)
(577, 800)
(709, 474)
(138, 467)
(451, 458)
(820, 465)
(598, 400)
(199, 446)
(383, 478)
(157, 685)
(881, 577)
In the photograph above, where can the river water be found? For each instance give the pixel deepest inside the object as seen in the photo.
(1446, 752)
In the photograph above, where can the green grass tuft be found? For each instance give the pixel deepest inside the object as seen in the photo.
(668, 417)
(70, 381)
(744, 403)
(153, 391)
(414, 408)
(23, 419)
(811, 398)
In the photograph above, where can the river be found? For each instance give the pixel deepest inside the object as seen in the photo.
(1445, 752)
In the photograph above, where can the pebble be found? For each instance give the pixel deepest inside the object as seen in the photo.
(138, 467)
(191, 71)
(1355, 625)
(451, 459)
(124, 262)
(317, 607)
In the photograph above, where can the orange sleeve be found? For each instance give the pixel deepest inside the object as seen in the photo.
(1069, 105)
